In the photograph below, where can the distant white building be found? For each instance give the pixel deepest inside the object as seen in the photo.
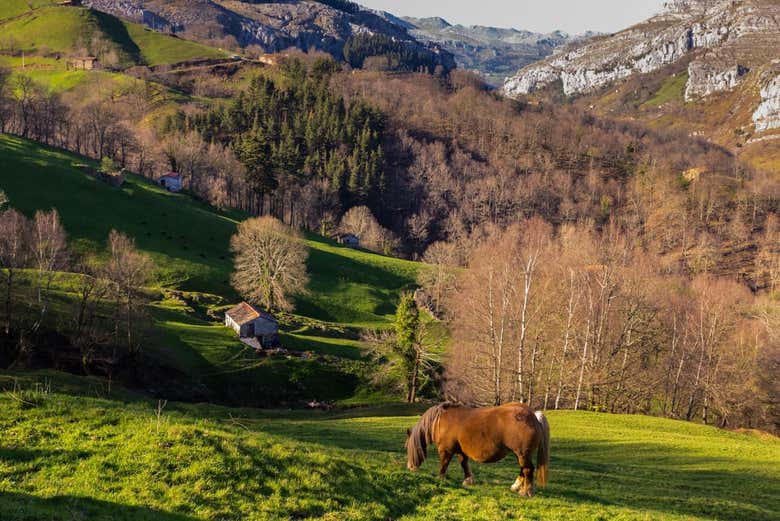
(250, 322)
(171, 182)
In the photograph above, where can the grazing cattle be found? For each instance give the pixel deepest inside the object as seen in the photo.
(485, 435)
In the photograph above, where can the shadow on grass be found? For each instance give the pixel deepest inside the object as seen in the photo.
(331, 271)
(26, 456)
(24, 507)
(650, 476)
(647, 477)
(315, 345)
(343, 484)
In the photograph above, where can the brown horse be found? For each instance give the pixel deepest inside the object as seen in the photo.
(485, 435)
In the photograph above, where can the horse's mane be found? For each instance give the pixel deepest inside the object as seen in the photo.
(422, 434)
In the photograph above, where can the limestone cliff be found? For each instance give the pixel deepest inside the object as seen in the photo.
(723, 39)
(767, 115)
(324, 25)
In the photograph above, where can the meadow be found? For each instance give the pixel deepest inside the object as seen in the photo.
(49, 29)
(118, 456)
(189, 243)
(83, 448)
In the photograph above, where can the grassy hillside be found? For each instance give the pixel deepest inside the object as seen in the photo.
(189, 243)
(76, 30)
(160, 49)
(112, 458)
(13, 8)
(63, 29)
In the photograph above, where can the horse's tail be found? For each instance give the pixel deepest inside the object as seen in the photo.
(543, 453)
(421, 435)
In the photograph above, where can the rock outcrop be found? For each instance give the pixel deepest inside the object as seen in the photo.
(767, 115)
(708, 77)
(324, 25)
(725, 39)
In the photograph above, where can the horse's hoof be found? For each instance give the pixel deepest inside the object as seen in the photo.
(468, 482)
(516, 486)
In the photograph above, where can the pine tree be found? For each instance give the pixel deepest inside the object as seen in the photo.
(408, 342)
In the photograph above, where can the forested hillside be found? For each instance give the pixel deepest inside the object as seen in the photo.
(646, 260)
(232, 278)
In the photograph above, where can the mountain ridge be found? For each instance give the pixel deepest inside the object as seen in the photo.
(727, 42)
(326, 25)
(493, 52)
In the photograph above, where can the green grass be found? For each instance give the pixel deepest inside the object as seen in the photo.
(159, 49)
(110, 458)
(68, 29)
(13, 8)
(673, 89)
(29, 61)
(189, 243)
(60, 80)
(354, 287)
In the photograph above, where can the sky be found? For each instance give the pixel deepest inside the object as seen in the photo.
(572, 16)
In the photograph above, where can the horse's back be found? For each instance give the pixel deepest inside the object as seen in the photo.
(488, 434)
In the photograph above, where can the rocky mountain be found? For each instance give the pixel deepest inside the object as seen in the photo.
(714, 46)
(493, 52)
(325, 25)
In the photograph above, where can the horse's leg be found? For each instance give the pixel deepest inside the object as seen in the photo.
(524, 484)
(444, 461)
(464, 463)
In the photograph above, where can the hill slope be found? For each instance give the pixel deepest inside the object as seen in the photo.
(189, 243)
(119, 459)
(710, 68)
(77, 31)
(326, 25)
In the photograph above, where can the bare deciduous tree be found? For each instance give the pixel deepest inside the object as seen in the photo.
(362, 223)
(482, 364)
(437, 278)
(14, 254)
(270, 263)
(91, 289)
(128, 272)
(49, 253)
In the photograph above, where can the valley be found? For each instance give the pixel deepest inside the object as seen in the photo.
(599, 238)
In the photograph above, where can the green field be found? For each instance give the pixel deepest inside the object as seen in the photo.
(68, 29)
(71, 30)
(159, 49)
(672, 90)
(109, 457)
(13, 8)
(189, 243)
